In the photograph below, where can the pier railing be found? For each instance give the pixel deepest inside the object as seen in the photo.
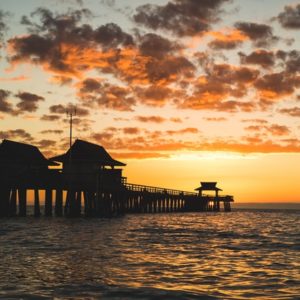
(158, 190)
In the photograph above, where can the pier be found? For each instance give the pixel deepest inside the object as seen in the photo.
(87, 181)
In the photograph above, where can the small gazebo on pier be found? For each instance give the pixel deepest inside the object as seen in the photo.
(213, 202)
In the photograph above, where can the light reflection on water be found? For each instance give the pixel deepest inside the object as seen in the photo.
(239, 255)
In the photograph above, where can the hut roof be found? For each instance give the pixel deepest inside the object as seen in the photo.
(15, 152)
(82, 151)
(208, 186)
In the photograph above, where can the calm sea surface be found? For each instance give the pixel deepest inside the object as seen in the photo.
(246, 254)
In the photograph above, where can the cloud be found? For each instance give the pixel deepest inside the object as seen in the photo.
(154, 95)
(169, 69)
(29, 102)
(260, 34)
(59, 42)
(103, 94)
(221, 82)
(151, 119)
(45, 143)
(5, 106)
(276, 129)
(188, 130)
(183, 18)
(228, 40)
(176, 120)
(290, 17)
(273, 129)
(17, 78)
(18, 134)
(69, 108)
(52, 131)
(291, 60)
(51, 118)
(3, 26)
(259, 121)
(293, 112)
(276, 85)
(263, 58)
(215, 119)
(111, 36)
(157, 46)
(131, 130)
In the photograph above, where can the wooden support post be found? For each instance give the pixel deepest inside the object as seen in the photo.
(5, 193)
(70, 203)
(48, 203)
(22, 202)
(58, 203)
(77, 208)
(37, 211)
(13, 203)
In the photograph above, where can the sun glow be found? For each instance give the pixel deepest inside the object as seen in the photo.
(212, 156)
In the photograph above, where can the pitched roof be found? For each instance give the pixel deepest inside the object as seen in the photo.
(15, 152)
(208, 186)
(82, 151)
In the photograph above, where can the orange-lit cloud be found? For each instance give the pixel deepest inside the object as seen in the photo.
(229, 39)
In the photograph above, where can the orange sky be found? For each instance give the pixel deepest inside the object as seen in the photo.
(182, 91)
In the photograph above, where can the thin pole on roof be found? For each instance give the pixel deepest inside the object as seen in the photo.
(71, 112)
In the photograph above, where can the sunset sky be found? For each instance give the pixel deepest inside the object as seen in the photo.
(181, 91)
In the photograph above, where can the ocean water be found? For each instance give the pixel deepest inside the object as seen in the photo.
(245, 254)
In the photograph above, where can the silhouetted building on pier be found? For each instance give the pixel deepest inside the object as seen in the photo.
(86, 179)
(87, 164)
(22, 167)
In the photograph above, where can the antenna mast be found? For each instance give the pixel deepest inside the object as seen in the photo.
(71, 112)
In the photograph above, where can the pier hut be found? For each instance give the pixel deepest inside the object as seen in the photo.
(22, 167)
(212, 202)
(88, 170)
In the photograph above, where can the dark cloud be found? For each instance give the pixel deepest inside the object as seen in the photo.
(182, 17)
(290, 17)
(154, 95)
(103, 94)
(131, 130)
(215, 119)
(29, 102)
(260, 34)
(154, 45)
(293, 112)
(276, 85)
(5, 106)
(18, 134)
(57, 39)
(276, 129)
(169, 69)
(52, 131)
(51, 118)
(151, 119)
(273, 129)
(221, 82)
(45, 143)
(291, 60)
(3, 25)
(263, 58)
(188, 130)
(69, 108)
(224, 45)
(112, 36)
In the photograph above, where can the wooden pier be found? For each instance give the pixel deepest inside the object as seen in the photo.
(87, 182)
